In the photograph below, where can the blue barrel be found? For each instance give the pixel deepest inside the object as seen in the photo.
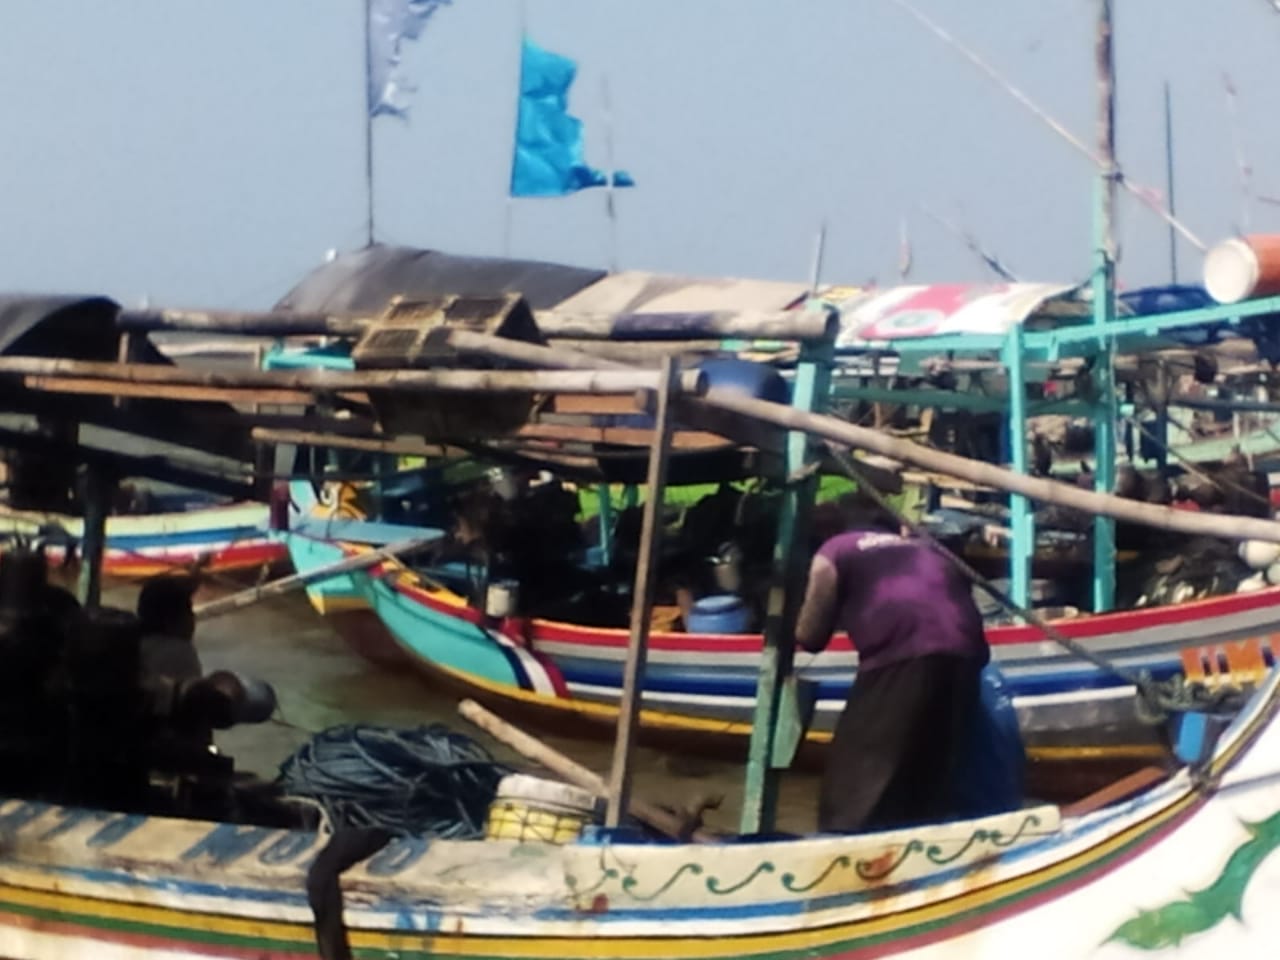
(721, 613)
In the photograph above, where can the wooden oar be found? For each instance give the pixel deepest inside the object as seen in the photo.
(296, 581)
(530, 747)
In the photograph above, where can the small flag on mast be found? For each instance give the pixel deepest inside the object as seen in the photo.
(391, 22)
(548, 160)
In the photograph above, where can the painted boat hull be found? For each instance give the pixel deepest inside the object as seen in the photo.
(218, 539)
(1184, 867)
(714, 675)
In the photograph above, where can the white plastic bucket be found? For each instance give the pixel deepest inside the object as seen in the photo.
(500, 598)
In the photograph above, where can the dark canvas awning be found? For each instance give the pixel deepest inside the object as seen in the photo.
(363, 281)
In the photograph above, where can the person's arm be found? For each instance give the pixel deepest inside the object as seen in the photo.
(817, 618)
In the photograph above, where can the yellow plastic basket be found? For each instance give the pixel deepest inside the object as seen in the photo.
(532, 810)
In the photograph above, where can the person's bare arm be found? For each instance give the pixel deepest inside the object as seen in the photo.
(817, 618)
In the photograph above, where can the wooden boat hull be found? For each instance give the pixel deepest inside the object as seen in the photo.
(1186, 865)
(1081, 742)
(217, 539)
(713, 676)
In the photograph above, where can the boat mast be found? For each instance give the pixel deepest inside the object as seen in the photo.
(1104, 387)
(1168, 180)
(368, 123)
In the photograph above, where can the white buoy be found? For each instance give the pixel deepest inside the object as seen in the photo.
(1258, 554)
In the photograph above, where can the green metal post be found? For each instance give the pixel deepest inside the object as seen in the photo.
(1021, 519)
(604, 518)
(1104, 528)
(811, 390)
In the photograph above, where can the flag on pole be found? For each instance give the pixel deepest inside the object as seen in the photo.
(391, 22)
(548, 159)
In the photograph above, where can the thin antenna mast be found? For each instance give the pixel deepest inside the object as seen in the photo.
(1243, 166)
(819, 248)
(610, 208)
(1168, 180)
(368, 122)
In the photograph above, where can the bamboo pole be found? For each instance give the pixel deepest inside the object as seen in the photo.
(642, 600)
(778, 325)
(989, 475)
(406, 446)
(531, 748)
(668, 325)
(465, 341)
(296, 581)
(596, 381)
(265, 323)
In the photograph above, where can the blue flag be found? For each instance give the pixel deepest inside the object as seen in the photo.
(391, 22)
(548, 150)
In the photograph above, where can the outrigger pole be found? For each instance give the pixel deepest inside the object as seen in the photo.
(985, 474)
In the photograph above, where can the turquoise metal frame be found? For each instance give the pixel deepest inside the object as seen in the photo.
(1097, 340)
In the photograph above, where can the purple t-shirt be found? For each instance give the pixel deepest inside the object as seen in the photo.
(899, 598)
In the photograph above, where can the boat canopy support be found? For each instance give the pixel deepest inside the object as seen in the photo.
(777, 726)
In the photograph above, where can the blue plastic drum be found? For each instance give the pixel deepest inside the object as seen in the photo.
(721, 613)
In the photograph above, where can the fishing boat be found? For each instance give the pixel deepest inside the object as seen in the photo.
(700, 689)
(176, 517)
(191, 534)
(1179, 864)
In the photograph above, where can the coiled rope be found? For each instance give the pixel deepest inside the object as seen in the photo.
(428, 781)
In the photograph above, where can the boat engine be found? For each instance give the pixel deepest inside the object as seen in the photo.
(79, 723)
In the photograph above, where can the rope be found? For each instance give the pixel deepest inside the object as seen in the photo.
(428, 781)
(1156, 699)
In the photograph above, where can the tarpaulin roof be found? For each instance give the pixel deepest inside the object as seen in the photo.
(78, 328)
(874, 316)
(364, 281)
(634, 291)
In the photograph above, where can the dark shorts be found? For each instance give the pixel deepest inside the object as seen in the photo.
(898, 744)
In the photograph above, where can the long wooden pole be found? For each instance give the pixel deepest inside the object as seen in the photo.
(296, 581)
(642, 600)
(100, 483)
(611, 381)
(531, 748)
(989, 475)
(659, 325)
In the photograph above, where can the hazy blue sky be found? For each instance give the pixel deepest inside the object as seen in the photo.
(210, 153)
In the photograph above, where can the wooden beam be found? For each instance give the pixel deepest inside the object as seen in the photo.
(618, 381)
(260, 323)
(580, 403)
(405, 446)
(622, 436)
(157, 391)
(642, 600)
(810, 325)
(667, 325)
